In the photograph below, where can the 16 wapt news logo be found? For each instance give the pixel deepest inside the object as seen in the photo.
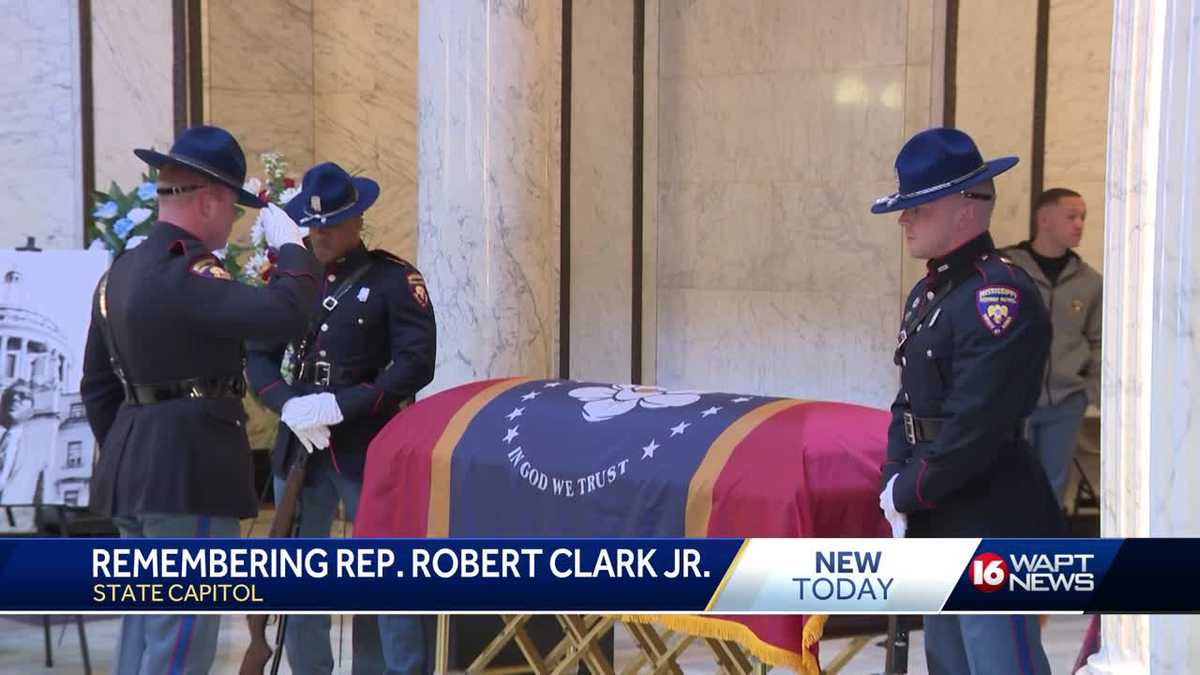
(1033, 572)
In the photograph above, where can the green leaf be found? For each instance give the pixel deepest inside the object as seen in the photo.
(113, 242)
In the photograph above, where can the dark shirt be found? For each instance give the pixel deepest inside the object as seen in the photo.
(1051, 267)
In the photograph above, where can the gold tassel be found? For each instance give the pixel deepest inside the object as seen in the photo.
(718, 628)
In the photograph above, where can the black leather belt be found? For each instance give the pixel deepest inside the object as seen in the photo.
(926, 429)
(233, 386)
(325, 374)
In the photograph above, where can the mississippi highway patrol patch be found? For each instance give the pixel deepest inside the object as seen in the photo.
(210, 267)
(416, 285)
(997, 307)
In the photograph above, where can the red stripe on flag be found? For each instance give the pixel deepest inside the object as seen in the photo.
(815, 472)
(397, 475)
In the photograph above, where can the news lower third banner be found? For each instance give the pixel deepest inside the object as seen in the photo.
(697, 576)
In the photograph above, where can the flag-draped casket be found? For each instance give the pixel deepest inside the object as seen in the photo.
(520, 457)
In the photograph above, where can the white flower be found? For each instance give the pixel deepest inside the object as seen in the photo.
(138, 216)
(258, 235)
(254, 264)
(98, 245)
(253, 186)
(287, 195)
(219, 253)
(604, 403)
(134, 241)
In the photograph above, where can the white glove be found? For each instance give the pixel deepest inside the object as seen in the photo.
(313, 438)
(279, 228)
(887, 502)
(304, 412)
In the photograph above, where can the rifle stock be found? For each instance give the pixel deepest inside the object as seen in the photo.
(259, 652)
(896, 659)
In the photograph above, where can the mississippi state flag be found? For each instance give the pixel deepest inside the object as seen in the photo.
(521, 458)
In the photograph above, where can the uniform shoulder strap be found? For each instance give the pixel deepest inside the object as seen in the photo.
(114, 357)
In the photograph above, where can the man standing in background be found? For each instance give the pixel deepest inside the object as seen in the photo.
(1072, 291)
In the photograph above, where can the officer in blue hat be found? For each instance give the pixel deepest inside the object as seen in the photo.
(162, 375)
(366, 355)
(972, 348)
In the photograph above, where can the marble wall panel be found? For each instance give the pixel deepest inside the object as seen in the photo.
(601, 191)
(1080, 48)
(772, 275)
(132, 86)
(994, 99)
(259, 80)
(41, 180)
(365, 107)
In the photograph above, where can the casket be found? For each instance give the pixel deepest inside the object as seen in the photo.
(522, 457)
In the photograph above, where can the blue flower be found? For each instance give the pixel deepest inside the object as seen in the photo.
(147, 191)
(122, 227)
(106, 210)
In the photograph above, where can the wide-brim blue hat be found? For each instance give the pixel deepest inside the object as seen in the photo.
(935, 163)
(328, 196)
(211, 151)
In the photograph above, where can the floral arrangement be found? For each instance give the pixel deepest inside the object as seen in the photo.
(122, 219)
(277, 188)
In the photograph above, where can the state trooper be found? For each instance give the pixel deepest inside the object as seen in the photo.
(162, 375)
(368, 352)
(972, 349)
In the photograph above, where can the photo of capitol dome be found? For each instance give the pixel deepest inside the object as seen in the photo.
(46, 446)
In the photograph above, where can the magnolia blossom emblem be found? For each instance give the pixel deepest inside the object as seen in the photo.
(604, 403)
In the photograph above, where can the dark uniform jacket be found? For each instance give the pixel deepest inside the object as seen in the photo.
(376, 347)
(175, 315)
(972, 349)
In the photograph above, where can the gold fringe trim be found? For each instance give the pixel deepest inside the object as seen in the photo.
(719, 628)
(814, 628)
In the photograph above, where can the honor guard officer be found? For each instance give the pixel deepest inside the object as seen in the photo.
(972, 348)
(370, 350)
(162, 375)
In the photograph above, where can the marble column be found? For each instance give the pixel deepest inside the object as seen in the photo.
(488, 155)
(41, 138)
(1151, 363)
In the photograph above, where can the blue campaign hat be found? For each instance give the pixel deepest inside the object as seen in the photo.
(935, 163)
(211, 151)
(329, 195)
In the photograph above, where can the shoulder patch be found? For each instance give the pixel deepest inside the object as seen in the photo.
(997, 306)
(416, 286)
(209, 266)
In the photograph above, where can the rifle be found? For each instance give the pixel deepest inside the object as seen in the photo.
(282, 526)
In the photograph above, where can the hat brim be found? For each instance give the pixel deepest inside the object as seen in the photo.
(158, 160)
(893, 202)
(368, 192)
